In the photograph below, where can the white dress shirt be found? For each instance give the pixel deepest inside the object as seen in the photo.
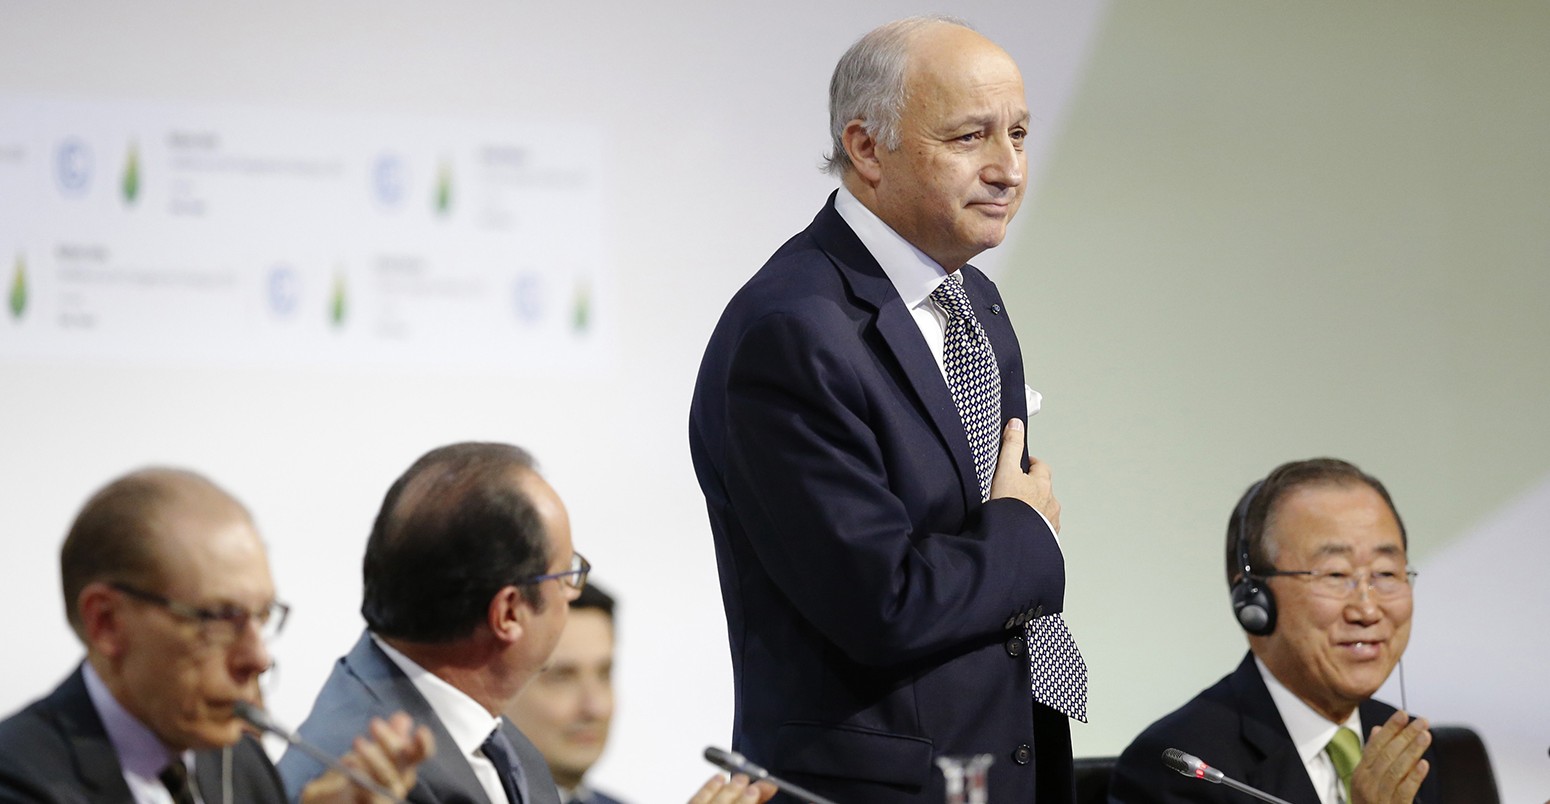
(914, 275)
(141, 754)
(1311, 732)
(465, 719)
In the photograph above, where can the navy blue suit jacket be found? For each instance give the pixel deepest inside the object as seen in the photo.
(873, 602)
(1233, 726)
(57, 751)
(367, 684)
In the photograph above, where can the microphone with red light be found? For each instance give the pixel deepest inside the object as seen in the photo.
(1190, 765)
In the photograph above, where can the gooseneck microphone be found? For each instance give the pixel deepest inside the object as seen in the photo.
(733, 762)
(1190, 765)
(261, 720)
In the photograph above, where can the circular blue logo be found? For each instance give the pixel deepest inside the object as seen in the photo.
(388, 180)
(284, 290)
(529, 297)
(73, 166)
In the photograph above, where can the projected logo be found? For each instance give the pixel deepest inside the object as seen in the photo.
(338, 302)
(389, 178)
(581, 307)
(131, 183)
(283, 289)
(73, 167)
(18, 297)
(442, 202)
(528, 298)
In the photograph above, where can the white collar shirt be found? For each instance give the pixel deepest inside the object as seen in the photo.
(914, 276)
(469, 723)
(1310, 732)
(141, 754)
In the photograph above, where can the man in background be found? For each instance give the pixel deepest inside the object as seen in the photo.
(567, 709)
(1320, 580)
(887, 554)
(468, 573)
(167, 584)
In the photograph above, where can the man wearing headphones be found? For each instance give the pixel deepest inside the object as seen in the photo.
(1318, 574)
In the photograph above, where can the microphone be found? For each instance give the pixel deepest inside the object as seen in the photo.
(261, 720)
(1190, 765)
(733, 762)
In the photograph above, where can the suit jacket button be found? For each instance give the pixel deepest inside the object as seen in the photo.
(1016, 646)
(1012, 622)
(1038, 611)
(995, 309)
(1022, 755)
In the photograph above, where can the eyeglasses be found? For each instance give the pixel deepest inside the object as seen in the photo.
(575, 577)
(218, 626)
(1339, 585)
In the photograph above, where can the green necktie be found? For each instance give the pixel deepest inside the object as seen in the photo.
(1344, 750)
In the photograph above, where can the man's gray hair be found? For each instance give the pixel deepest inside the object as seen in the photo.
(868, 85)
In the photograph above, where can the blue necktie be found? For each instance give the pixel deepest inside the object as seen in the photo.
(504, 757)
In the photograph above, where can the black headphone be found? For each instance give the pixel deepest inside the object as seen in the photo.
(1252, 601)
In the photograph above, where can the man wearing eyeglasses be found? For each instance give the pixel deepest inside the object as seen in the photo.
(1317, 567)
(468, 572)
(167, 584)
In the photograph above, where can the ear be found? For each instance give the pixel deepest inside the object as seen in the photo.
(509, 614)
(102, 619)
(862, 149)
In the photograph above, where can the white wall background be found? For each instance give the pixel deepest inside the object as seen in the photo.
(715, 119)
(1261, 232)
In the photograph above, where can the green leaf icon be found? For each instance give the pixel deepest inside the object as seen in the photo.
(443, 202)
(132, 175)
(19, 289)
(581, 313)
(338, 305)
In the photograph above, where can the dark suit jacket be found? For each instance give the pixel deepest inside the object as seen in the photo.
(56, 750)
(873, 602)
(367, 684)
(1234, 727)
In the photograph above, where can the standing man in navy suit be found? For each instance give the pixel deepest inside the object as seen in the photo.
(886, 548)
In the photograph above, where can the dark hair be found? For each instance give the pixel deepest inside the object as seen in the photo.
(594, 597)
(1282, 480)
(453, 531)
(113, 538)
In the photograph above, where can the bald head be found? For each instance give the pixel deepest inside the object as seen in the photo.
(124, 533)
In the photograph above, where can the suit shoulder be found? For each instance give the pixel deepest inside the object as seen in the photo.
(35, 731)
(35, 755)
(1210, 712)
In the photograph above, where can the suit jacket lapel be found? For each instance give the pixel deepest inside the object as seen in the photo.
(1280, 767)
(447, 769)
(95, 758)
(898, 331)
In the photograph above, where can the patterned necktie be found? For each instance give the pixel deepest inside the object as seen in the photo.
(1058, 672)
(1345, 750)
(972, 377)
(175, 778)
(504, 757)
